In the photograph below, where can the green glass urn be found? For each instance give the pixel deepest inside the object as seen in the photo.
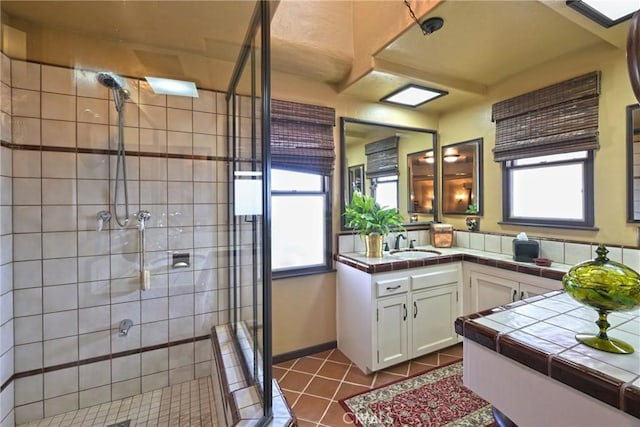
(606, 286)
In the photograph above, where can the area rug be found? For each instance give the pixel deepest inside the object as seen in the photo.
(435, 398)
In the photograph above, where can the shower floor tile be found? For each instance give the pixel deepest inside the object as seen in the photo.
(181, 405)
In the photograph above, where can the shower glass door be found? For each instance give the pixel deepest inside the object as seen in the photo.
(249, 227)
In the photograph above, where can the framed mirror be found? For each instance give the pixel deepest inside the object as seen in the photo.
(422, 183)
(382, 150)
(633, 163)
(356, 179)
(462, 178)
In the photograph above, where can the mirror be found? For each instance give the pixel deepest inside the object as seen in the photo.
(462, 178)
(385, 169)
(422, 167)
(633, 163)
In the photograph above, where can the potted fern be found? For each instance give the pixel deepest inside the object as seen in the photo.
(371, 221)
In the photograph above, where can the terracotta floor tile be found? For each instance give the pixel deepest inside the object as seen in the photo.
(338, 356)
(333, 370)
(287, 364)
(401, 369)
(307, 364)
(455, 350)
(429, 359)
(383, 378)
(336, 416)
(295, 381)
(322, 387)
(310, 408)
(322, 354)
(348, 390)
(290, 396)
(445, 359)
(419, 368)
(355, 375)
(278, 373)
(303, 423)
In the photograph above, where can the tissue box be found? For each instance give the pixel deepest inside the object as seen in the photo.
(442, 235)
(525, 250)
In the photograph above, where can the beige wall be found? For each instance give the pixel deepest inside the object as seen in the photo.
(304, 307)
(610, 166)
(291, 331)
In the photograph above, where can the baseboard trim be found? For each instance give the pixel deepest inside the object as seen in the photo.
(304, 352)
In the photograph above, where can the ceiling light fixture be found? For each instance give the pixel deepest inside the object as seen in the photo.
(451, 155)
(172, 87)
(429, 157)
(413, 95)
(429, 25)
(605, 12)
(450, 158)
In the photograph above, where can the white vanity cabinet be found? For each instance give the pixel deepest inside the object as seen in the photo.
(386, 318)
(492, 287)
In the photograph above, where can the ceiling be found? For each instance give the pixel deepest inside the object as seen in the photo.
(481, 44)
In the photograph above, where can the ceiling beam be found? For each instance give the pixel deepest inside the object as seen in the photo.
(426, 77)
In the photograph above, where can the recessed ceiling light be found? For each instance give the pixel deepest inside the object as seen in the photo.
(172, 87)
(605, 12)
(413, 95)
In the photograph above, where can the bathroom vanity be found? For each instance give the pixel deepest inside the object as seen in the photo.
(389, 317)
(400, 307)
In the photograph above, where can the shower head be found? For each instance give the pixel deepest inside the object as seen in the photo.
(110, 80)
(116, 84)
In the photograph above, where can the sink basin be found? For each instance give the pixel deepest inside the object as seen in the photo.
(413, 253)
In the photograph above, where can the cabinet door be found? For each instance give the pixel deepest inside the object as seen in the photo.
(392, 316)
(433, 313)
(489, 291)
(527, 290)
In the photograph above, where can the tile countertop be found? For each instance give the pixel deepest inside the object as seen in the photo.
(390, 263)
(539, 332)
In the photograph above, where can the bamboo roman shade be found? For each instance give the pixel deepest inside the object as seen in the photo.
(302, 137)
(382, 157)
(556, 119)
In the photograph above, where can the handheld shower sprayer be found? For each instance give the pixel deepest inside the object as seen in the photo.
(145, 275)
(120, 95)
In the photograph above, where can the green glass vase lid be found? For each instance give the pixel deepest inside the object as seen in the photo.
(606, 286)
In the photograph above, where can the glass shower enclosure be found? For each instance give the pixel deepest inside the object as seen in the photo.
(248, 112)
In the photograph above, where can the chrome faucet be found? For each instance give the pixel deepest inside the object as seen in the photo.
(396, 245)
(125, 325)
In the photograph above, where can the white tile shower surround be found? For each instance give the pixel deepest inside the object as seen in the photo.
(65, 286)
(187, 404)
(556, 250)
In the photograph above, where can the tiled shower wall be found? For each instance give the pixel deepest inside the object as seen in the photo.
(71, 285)
(6, 251)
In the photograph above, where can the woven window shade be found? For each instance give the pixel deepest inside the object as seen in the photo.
(556, 119)
(382, 157)
(302, 137)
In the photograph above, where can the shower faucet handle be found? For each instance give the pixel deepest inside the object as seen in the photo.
(102, 217)
(142, 216)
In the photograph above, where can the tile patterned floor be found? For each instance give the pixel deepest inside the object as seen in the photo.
(313, 384)
(181, 405)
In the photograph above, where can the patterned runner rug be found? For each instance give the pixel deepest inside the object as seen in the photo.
(435, 398)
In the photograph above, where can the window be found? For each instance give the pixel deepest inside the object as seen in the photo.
(384, 190)
(553, 190)
(300, 223)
